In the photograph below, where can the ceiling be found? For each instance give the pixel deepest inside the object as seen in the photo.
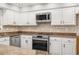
(21, 5)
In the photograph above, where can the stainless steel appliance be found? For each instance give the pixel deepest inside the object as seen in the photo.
(40, 43)
(15, 41)
(43, 17)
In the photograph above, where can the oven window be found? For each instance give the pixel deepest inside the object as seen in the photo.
(39, 45)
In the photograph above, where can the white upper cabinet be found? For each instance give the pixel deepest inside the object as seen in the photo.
(69, 16)
(56, 17)
(8, 17)
(23, 18)
(77, 10)
(63, 16)
(31, 18)
(17, 18)
(1, 14)
(20, 18)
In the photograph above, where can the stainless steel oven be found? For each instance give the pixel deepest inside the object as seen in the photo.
(40, 43)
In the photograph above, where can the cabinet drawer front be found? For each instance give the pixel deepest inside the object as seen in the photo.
(68, 40)
(4, 39)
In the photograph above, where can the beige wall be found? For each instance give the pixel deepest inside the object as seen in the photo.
(46, 27)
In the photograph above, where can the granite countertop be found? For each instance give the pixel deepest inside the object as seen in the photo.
(36, 33)
(11, 50)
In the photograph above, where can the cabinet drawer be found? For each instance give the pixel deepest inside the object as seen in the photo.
(4, 39)
(68, 40)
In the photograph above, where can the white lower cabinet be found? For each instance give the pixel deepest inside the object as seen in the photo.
(68, 46)
(26, 41)
(4, 40)
(55, 46)
(62, 46)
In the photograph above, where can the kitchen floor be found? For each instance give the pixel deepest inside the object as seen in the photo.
(11, 50)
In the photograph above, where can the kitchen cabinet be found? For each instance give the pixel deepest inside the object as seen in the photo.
(63, 16)
(23, 18)
(55, 46)
(1, 14)
(15, 41)
(4, 40)
(77, 10)
(17, 18)
(20, 18)
(69, 16)
(26, 41)
(8, 17)
(62, 46)
(68, 46)
(31, 18)
(56, 18)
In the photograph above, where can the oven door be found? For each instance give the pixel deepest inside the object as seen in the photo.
(39, 45)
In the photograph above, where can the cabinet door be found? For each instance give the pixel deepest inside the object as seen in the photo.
(1, 15)
(68, 46)
(17, 18)
(23, 18)
(20, 18)
(56, 17)
(26, 41)
(8, 17)
(4, 40)
(15, 41)
(77, 10)
(31, 18)
(55, 46)
(69, 16)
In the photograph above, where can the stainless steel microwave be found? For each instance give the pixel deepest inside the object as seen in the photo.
(43, 17)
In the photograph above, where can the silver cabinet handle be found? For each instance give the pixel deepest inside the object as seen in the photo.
(49, 43)
(26, 41)
(64, 45)
(5, 39)
(55, 39)
(63, 22)
(60, 22)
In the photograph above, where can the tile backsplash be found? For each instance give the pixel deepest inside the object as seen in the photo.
(46, 27)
